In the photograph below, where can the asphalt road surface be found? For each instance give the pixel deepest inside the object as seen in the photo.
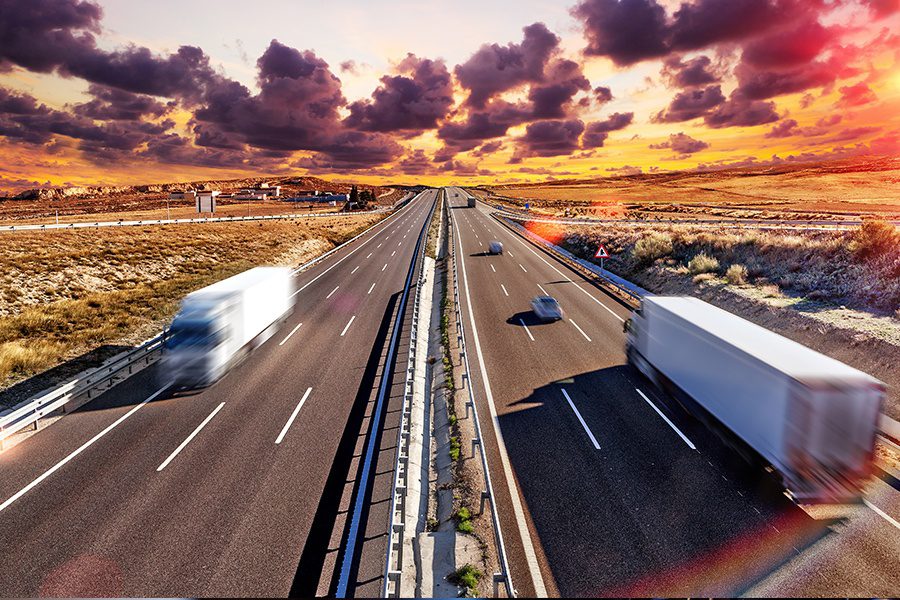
(603, 487)
(147, 493)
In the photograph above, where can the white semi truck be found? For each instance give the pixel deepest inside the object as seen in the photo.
(810, 417)
(218, 325)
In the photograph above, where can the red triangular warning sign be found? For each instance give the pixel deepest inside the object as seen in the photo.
(601, 252)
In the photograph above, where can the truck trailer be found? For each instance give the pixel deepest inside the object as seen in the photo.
(810, 417)
(218, 325)
(470, 201)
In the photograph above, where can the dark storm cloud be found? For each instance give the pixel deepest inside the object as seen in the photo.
(681, 144)
(596, 132)
(691, 73)
(603, 94)
(562, 81)
(414, 100)
(629, 31)
(494, 68)
(23, 119)
(113, 104)
(789, 47)
(691, 104)
(741, 112)
(549, 138)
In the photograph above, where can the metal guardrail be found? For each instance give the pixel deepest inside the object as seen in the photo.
(79, 389)
(632, 291)
(394, 559)
(122, 223)
(487, 494)
(368, 457)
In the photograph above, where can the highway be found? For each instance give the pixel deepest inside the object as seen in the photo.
(603, 488)
(230, 491)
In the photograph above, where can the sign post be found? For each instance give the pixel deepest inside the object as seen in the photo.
(601, 254)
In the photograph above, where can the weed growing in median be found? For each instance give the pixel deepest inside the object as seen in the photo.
(464, 521)
(467, 576)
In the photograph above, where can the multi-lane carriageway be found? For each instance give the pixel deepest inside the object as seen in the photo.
(244, 488)
(238, 490)
(602, 487)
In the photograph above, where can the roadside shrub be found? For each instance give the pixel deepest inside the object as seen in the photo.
(736, 274)
(651, 247)
(703, 263)
(467, 576)
(464, 521)
(874, 238)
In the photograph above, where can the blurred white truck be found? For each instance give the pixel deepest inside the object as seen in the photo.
(218, 325)
(809, 416)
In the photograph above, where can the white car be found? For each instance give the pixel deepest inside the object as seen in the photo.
(495, 247)
(546, 308)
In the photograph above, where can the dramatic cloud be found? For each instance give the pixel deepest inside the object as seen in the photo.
(549, 138)
(695, 72)
(603, 94)
(691, 104)
(681, 144)
(596, 133)
(413, 101)
(112, 104)
(787, 48)
(740, 112)
(629, 31)
(494, 68)
(856, 95)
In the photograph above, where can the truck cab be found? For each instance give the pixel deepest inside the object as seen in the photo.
(197, 344)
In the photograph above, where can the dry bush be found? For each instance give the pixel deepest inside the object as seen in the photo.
(874, 238)
(736, 275)
(703, 263)
(651, 247)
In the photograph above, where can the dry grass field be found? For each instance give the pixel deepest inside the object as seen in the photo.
(819, 191)
(65, 293)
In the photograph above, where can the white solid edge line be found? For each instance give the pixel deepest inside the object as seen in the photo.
(330, 294)
(666, 419)
(589, 295)
(371, 288)
(504, 289)
(580, 330)
(80, 449)
(534, 569)
(581, 419)
(882, 514)
(528, 331)
(188, 439)
(293, 416)
(288, 336)
(347, 326)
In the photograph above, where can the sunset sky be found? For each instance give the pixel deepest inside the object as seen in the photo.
(126, 92)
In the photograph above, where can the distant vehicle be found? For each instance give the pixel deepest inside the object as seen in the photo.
(780, 404)
(471, 202)
(546, 308)
(495, 247)
(218, 325)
